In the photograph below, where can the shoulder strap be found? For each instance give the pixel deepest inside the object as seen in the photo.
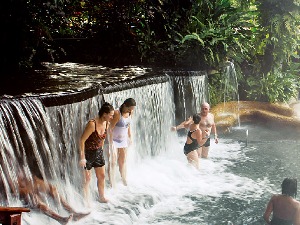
(95, 124)
(189, 134)
(192, 131)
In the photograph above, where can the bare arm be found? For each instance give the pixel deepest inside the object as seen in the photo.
(268, 211)
(200, 140)
(129, 132)
(90, 127)
(214, 128)
(112, 124)
(184, 124)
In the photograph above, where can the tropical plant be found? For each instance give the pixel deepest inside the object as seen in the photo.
(275, 86)
(156, 28)
(278, 38)
(217, 30)
(274, 61)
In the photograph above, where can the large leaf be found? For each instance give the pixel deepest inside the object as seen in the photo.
(193, 36)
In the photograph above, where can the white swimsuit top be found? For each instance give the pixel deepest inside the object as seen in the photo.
(120, 131)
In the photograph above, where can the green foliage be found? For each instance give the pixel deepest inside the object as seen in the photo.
(157, 28)
(278, 36)
(215, 88)
(39, 23)
(260, 36)
(271, 71)
(217, 30)
(277, 86)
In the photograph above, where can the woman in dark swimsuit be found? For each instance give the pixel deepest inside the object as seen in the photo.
(91, 149)
(285, 209)
(194, 140)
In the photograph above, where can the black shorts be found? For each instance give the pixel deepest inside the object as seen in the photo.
(94, 158)
(207, 143)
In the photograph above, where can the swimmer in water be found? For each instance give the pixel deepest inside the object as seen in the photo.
(207, 125)
(284, 206)
(195, 139)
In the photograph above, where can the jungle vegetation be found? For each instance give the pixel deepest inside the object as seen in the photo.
(261, 38)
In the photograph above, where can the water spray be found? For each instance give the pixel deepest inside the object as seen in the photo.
(247, 138)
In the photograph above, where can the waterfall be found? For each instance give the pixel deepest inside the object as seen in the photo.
(44, 141)
(230, 83)
(26, 139)
(190, 90)
(230, 87)
(153, 116)
(67, 124)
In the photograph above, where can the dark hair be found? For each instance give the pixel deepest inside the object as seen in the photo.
(128, 103)
(105, 108)
(196, 118)
(289, 187)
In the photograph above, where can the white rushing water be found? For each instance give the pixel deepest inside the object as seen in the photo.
(165, 189)
(162, 188)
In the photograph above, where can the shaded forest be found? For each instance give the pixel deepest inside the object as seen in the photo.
(261, 37)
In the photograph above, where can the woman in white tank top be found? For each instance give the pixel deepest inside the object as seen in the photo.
(120, 131)
(119, 140)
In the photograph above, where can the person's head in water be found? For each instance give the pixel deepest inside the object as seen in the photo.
(289, 187)
(128, 106)
(196, 118)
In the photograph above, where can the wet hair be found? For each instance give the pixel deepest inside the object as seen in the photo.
(127, 103)
(105, 108)
(289, 187)
(196, 118)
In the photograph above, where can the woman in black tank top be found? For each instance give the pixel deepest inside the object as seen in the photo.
(91, 149)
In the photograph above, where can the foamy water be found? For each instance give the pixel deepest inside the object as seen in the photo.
(167, 190)
(232, 186)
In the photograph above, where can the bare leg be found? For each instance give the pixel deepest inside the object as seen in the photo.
(205, 152)
(86, 190)
(112, 168)
(122, 156)
(107, 158)
(100, 174)
(59, 199)
(199, 152)
(192, 158)
(78, 216)
(43, 207)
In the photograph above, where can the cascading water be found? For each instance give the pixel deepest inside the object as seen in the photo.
(46, 137)
(232, 186)
(230, 86)
(153, 115)
(190, 90)
(26, 139)
(67, 124)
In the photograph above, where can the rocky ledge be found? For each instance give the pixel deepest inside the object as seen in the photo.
(229, 114)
